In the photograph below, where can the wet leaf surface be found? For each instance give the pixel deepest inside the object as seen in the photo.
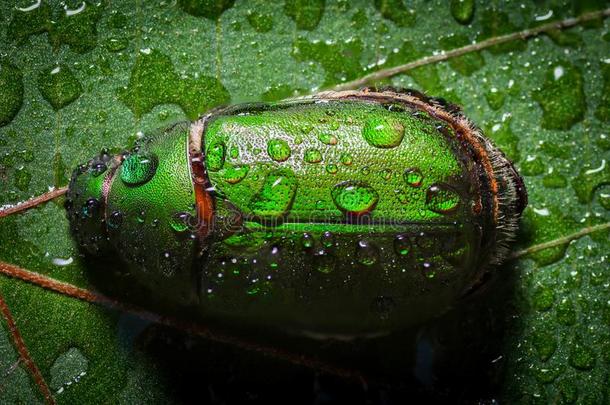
(76, 77)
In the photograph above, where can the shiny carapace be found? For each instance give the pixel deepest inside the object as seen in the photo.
(356, 212)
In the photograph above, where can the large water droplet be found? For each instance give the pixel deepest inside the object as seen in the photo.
(278, 150)
(138, 169)
(182, 221)
(442, 199)
(59, 86)
(276, 194)
(354, 197)
(383, 133)
(67, 369)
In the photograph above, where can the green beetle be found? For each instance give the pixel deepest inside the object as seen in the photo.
(345, 213)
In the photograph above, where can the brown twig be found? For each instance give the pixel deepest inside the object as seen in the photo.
(560, 241)
(24, 353)
(33, 202)
(443, 56)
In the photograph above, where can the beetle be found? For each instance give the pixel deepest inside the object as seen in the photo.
(351, 213)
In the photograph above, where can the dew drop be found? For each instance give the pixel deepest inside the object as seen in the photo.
(11, 92)
(428, 270)
(138, 169)
(383, 133)
(90, 208)
(413, 177)
(234, 152)
(442, 199)
(331, 168)
(312, 156)
(327, 239)
(354, 197)
(346, 159)
(366, 253)
(402, 245)
(278, 150)
(386, 174)
(59, 86)
(327, 139)
(462, 10)
(307, 241)
(115, 219)
(324, 262)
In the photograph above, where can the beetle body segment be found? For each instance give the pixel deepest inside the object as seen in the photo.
(349, 212)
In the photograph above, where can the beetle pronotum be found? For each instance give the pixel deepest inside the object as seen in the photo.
(352, 213)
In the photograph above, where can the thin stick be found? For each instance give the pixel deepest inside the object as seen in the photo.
(194, 328)
(24, 353)
(560, 241)
(33, 202)
(527, 33)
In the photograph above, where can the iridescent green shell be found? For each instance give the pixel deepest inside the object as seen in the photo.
(353, 212)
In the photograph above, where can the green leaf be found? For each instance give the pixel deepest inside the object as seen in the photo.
(76, 77)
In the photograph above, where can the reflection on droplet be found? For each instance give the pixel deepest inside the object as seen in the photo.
(383, 133)
(402, 245)
(115, 219)
(312, 156)
(235, 174)
(354, 197)
(366, 253)
(278, 150)
(138, 169)
(276, 194)
(442, 199)
(413, 177)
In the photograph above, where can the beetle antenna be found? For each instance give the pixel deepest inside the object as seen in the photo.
(7, 210)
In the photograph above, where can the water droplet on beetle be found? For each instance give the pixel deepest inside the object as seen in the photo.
(312, 156)
(413, 177)
(383, 133)
(138, 169)
(115, 219)
(366, 253)
(278, 150)
(307, 241)
(442, 199)
(327, 239)
(402, 245)
(354, 197)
